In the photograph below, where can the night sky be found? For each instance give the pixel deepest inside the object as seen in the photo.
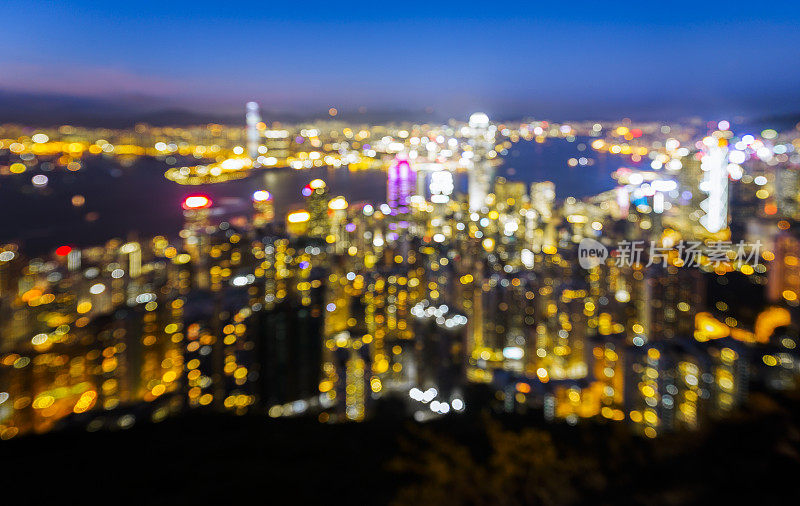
(556, 59)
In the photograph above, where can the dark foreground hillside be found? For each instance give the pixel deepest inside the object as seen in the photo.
(472, 459)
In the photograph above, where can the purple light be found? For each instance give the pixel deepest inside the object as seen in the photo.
(403, 167)
(400, 183)
(350, 227)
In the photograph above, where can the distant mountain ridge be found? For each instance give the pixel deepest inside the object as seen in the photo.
(44, 110)
(49, 110)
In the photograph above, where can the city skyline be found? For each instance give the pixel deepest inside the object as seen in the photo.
(443, 272)
(450, 254)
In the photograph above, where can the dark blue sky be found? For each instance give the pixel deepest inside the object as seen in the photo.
(556, 59)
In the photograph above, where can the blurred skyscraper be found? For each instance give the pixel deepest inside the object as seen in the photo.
(253, 118)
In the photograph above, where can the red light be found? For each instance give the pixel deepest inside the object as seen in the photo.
(196, 202)
(63, 251)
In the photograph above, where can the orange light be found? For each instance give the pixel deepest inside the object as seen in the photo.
(770, 319)
(707, 327)
(196, 202)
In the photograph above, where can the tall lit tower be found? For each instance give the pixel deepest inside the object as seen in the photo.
(479, 180)
(543, 195)
(337, 212)
(196, 210)
(134, 252)
(253, 117)
(715, 184)
(263, 207)
(400, 185)
(316, 193)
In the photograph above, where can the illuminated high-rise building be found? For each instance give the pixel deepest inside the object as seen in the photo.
(543, 196)
(400, 185)
(74, 259)
(264, 209)
(10, 262)
(787, 191)
(289, 329)
(278, 144)
(316, 194)
(714, 164)
(253, 118)
(510, 195)
(441, 186)
(540, 228)
(671, 300)
(134, 252)
(196, 211)
(690, 178)
(784, 272)
(481, 173)
(337, 216)
(297, 222)
(746, 211)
